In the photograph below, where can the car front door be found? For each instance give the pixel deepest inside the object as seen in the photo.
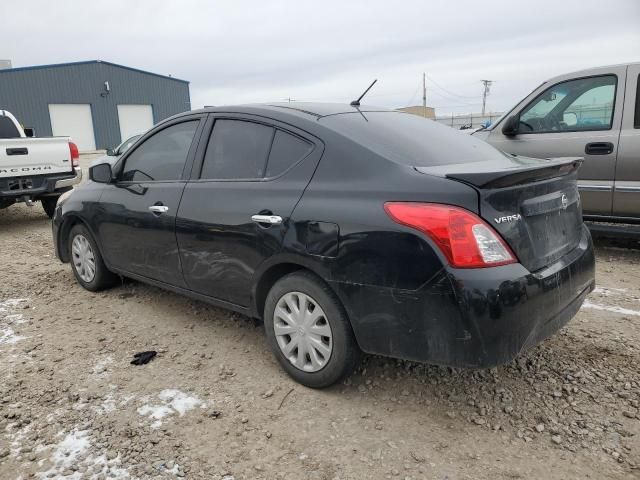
(235, 210)
(136, 220)
(626, 197)
(574, 117)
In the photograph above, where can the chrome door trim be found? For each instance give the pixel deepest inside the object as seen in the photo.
(594, 187)
(627, 187)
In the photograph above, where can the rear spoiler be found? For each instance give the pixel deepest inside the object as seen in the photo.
(506, 172)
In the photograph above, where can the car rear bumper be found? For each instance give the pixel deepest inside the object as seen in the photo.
(18, 188)
(472, 317)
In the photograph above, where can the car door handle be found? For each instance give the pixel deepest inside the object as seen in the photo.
(158, 209)
(269, 219)
(598, 148)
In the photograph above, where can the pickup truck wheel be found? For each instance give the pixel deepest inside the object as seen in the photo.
(49, 205)
(86, 261)
(308, 331)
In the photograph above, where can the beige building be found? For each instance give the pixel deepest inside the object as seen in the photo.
(428, 112)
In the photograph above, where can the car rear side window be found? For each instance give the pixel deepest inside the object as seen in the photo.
(237, 149)
(7, 128)
(286, 151)
(636, 122)
(162, 156)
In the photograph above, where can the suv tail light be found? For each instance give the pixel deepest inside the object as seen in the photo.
(463, 237)
(75, 155)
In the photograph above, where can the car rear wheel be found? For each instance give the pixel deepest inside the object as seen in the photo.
(308, 331)
(86, 261)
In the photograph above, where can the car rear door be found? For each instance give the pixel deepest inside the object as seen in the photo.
(136, 220)
(626, 197)
(574, 117)
(235, 210)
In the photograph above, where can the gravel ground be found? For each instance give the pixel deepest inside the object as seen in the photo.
(215, 405)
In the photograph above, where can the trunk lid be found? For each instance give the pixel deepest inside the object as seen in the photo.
(532, 203)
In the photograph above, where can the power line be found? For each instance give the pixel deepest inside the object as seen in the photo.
(453, 100)
(448, 91)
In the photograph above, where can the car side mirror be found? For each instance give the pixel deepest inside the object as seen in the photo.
(101, 173)
(511, 126)
(111, 152)
(29, 132)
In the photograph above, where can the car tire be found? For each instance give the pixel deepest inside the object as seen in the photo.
(86, 261)
(325, 350)
(49, 205)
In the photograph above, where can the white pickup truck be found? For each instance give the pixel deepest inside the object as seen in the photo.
(35, 169)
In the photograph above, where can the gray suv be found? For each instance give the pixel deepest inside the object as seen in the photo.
(594, 114)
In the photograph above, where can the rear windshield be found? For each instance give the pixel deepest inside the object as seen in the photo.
(7, 128)
(410, 139)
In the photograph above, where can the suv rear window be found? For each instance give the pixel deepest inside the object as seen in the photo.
(7, 128)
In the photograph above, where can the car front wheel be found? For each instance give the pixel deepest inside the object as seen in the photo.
(86, 261)
(308, 331)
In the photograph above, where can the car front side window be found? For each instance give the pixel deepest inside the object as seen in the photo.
(162, 156)
(575, 105)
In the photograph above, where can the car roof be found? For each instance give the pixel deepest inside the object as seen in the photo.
(588, 71)
(309, 110)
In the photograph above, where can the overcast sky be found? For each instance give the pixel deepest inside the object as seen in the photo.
(325, 50)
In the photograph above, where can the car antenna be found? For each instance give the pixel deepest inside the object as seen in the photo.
(356, 103)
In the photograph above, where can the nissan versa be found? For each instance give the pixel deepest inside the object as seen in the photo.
(346, 229)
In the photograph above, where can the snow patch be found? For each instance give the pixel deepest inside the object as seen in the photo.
(8, 318)
(608, 292)
(173, 401)
(72, 446)
(101, 366)
(10, 304)
(74, 449)
(610, 308)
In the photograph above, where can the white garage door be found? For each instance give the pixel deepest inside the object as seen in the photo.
(75, 121)
(134, 119)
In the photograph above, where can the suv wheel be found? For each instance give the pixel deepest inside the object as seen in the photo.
(308, 331)
(86, 261)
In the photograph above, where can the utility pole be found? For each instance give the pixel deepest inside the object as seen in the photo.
(424, 94)
(485, 92)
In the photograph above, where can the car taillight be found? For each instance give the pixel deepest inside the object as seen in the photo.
(463, 237)
(75, 154)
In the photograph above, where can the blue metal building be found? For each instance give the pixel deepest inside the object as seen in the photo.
(97, 103)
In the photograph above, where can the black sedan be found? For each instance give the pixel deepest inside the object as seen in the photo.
(346, 229)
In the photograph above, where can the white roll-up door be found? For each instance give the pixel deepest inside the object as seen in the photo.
(75, 121)
(134, 120)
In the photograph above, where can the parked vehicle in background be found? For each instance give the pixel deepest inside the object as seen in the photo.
(113, 154)
(344, 229)
(593, 114)
(123, 147)
(35, 169)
